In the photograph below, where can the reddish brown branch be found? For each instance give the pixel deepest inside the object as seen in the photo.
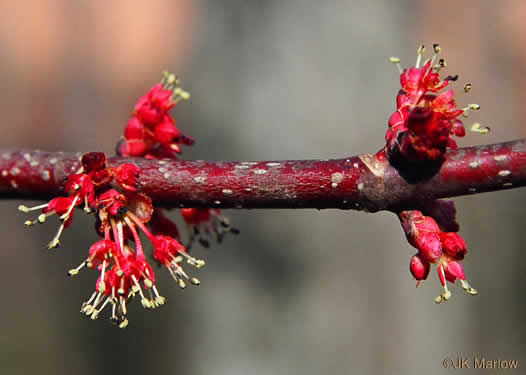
(360, 182)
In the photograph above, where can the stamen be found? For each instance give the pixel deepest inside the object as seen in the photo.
(40, 219)
(470, 107)
(71, 207)
(148, 282)
(197, 263)
(84, 306)
(441, 64)
(169, 79)
(420, 53)
(144, 301)
(467, 87)
(396, 61)
(436, 51)
(468, 288)
(55, 242)
(95, 313)
(446, 294)
(176, 278)
(124, 323)
(102, 284)
(476, 128)
(75, 271)
(26, 209)
(159, 300)
(123, 305)
(113, 318)
(86, 205)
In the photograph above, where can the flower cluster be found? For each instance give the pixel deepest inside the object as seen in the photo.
(121, 212)
(424, 122)
(151, 131)
(204, 223)
(435, 246)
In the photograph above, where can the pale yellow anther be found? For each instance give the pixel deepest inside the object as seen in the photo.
(467, 87)
(421, 49)
(446, 295)
(95, 314)
(73, 272)
(468, 288)
(476, 128)
(436, 48)
(148, 283)
(195, 281)
(42, 218)
(135, 288)
(53, 244)
(394, 60)
(438, 299)
(474, 106)
(28, 223)
(23, 208)
(145, 303)
(171, 79)
(197, 263)
(159, 300)
(181, 283)
(88, 309)
(124, 323)
(185, 95)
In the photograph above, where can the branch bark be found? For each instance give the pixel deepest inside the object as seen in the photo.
(363, 182)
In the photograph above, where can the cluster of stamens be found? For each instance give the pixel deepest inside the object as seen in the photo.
(204, 223)
(421, 127)
(110, 194)
(121, 212)
(435, 246)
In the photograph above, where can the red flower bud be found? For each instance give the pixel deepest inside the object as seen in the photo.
(127, 176)
(165, 133)
(453, 245)
(93, 161)
(419, 267)
(134, 129)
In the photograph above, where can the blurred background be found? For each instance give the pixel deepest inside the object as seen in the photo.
(299, 291)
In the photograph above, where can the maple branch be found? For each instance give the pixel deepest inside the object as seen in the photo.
(361, 182)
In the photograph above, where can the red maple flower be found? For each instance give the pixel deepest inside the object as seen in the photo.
(121, 212)
(205, 223)
(421, 127)
(445, 249)
(152, 132)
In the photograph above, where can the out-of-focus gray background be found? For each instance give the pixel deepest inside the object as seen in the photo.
(299, 291)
